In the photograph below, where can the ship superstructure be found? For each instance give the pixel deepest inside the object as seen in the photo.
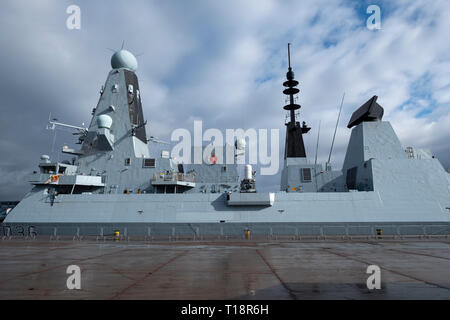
(113, 183)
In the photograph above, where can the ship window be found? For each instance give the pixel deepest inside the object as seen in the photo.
(149, 163)
(306, 174)
(127, 161)
(48, 169)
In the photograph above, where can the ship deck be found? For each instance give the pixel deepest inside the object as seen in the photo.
(414, 268)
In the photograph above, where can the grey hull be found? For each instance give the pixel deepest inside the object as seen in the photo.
(351, 213)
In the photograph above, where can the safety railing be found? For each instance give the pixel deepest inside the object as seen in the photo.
(173, 177)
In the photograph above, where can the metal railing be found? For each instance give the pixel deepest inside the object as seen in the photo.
(229, 231)
(174, 177)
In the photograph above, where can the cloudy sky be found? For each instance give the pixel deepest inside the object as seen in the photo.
(223, 62)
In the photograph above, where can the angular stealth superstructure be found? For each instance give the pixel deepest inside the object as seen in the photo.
(114, 185)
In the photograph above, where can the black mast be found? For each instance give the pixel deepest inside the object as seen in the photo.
(294, 148)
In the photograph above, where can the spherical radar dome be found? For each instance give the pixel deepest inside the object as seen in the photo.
(104, 121)
(240, 144)
(124, 59)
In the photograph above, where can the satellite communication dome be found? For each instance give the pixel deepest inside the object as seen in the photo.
(240, 144)
(104, 121)
(45, 158)
(124, 59)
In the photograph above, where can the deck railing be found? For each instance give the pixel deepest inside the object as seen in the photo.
(174, 177)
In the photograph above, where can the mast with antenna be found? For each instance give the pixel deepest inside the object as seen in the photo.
(294, 147)
(317, 146)
(315, 160)
(334, 135)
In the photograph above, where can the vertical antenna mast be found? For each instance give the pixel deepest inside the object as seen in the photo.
(291, 84)
(289, 55)
(295, 147)
(317, 146)
(337, 122)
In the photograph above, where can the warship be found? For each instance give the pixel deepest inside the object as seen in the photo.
(113, 186)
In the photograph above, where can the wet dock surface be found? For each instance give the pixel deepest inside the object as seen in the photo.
(325, 269)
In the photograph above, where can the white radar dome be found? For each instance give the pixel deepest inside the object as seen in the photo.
(240, 144)
(104, 121)
(124, 59)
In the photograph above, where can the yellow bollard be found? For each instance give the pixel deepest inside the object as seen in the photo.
(247, 234)
(379, 233)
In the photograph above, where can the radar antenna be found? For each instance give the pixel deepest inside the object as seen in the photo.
(52, 124)
(157, 140)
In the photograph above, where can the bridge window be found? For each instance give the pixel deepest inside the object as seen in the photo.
(149, 163)
(48, 169)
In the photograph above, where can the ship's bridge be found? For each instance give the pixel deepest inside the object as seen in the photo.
(64, 178)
